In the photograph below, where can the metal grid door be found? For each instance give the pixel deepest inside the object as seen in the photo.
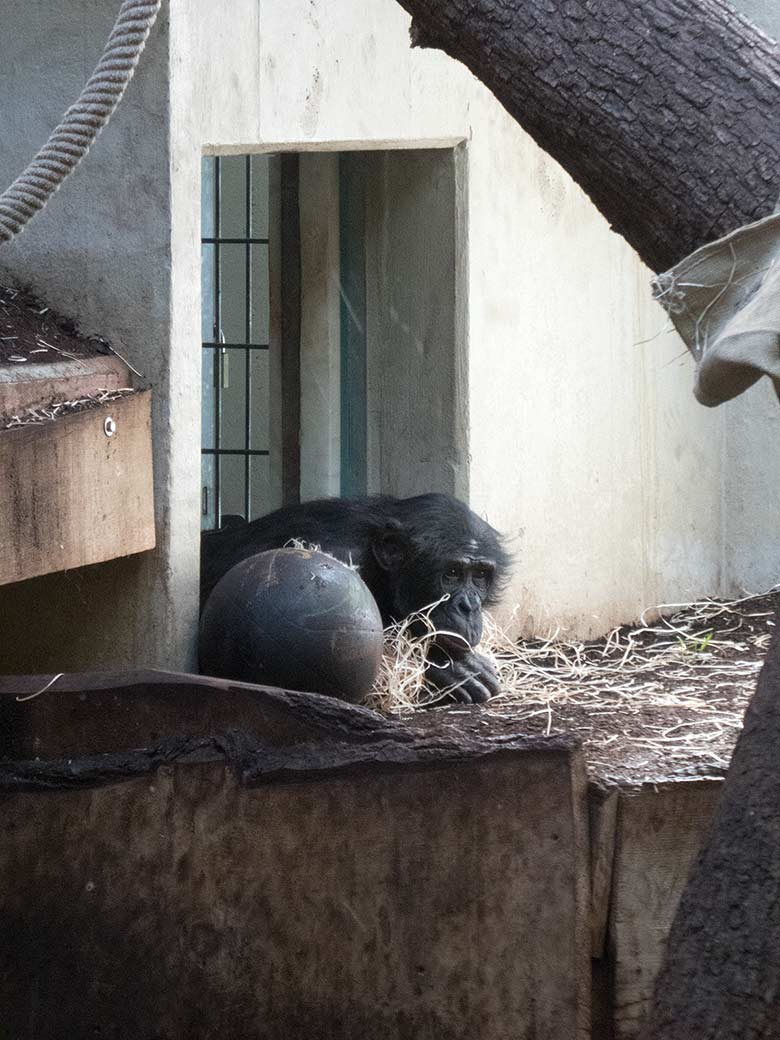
(236, 376)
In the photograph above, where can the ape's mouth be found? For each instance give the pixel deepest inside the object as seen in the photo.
(453, 642)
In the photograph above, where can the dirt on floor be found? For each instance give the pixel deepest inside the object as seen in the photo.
(31, 333)
(650, 703)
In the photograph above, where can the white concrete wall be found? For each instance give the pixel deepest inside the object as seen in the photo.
(585, 443)
(763, 13)
(616, 489)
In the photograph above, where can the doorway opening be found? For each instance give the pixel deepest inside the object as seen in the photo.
(333, 328)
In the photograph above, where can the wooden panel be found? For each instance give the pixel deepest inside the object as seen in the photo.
(659, 832)
(72, 495)
(417, 363)
(414, 888)
(602, 812)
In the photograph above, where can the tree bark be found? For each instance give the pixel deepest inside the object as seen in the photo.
(665, 111)
(721, 976)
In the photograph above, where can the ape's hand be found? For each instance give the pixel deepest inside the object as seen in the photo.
(467, 679)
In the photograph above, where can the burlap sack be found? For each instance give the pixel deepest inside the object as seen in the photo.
(724, 300)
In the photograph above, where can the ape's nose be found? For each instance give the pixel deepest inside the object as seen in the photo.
(466, 604)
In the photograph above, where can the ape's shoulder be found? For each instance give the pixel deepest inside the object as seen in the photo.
(342, 527)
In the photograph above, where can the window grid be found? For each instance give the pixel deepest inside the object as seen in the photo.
(220, 346)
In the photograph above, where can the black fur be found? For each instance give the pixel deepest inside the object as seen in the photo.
(411, 552)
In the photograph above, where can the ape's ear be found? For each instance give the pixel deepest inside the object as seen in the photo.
(389, 545)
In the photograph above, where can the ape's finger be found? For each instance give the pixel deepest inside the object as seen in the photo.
(478, 692)
(479, 664)
(461, 684)
(491, 680)
(461, 695)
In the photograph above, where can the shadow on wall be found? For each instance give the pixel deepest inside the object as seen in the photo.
(58, 622)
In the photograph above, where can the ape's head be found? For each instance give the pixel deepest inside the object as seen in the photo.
(436, 547)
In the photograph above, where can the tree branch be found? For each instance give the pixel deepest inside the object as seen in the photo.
(664, 111)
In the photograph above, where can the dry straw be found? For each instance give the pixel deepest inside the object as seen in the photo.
(660, 700)
(57, 409)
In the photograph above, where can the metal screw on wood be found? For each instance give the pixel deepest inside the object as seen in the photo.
(109, 427)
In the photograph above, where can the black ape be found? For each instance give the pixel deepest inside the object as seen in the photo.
(410, 552)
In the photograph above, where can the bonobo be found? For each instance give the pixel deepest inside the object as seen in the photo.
(411, 552)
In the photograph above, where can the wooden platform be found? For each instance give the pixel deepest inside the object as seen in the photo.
(289, 861)
(79, 486)
(276, 865)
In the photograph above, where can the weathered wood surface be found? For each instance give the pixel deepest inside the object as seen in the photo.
(97, 728)
(420, 888)
(602, 815)
(72, 495)
(35, 385)
(665, 112)
(659, 834)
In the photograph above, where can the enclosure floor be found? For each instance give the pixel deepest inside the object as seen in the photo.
(651, 704)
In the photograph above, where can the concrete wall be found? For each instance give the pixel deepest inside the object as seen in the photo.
(101, 253)
(763, 13)
(585, 444)
(320, 326)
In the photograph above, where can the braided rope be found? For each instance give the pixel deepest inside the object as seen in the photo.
(71, 140)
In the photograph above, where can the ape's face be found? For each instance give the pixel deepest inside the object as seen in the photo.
(463, 580)
(468, 581)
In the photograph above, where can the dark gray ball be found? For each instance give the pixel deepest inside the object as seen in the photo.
(296, 619)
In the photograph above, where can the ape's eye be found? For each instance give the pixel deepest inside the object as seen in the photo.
(481, 576)
(452, 573)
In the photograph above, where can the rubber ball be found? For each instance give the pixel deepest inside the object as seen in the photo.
(295, 619)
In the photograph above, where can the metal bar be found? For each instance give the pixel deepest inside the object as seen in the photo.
(240, 346)
(247, 332)
(235, 241)
(217, 354)
(235, 451)
(290, 278)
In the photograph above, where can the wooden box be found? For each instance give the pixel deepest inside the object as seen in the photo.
(77, 489)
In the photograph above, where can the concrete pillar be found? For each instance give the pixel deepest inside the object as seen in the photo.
(101, 253)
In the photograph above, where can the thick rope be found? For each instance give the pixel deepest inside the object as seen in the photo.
(81, 124)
